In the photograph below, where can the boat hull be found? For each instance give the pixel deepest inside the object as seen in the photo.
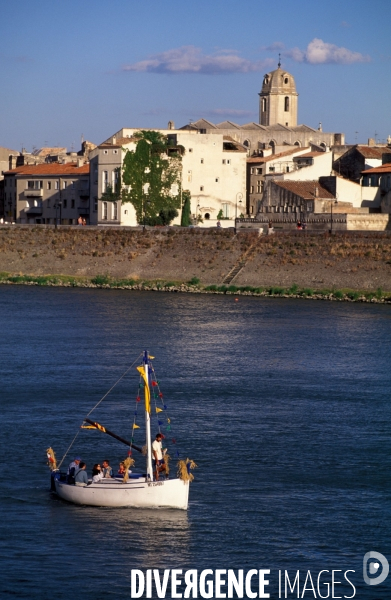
(170, 493)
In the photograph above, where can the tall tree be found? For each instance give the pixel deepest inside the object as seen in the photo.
(186, 209)
(153, 173)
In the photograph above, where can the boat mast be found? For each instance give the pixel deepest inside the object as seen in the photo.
(148, 418)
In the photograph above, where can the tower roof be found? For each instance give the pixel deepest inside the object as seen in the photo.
(278, 82)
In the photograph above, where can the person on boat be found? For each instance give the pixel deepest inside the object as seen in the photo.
(107, 470)
(158, 455)
(97, 474)
(81, 477)
(72, 469)
(121, 470)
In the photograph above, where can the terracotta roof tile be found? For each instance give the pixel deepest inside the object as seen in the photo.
(372, 151)
(263, 159)
(311, 154)
(50, 169)
(381, 169)
(304, 189)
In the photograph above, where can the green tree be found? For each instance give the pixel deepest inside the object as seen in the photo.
(186, 209)
(152, 171)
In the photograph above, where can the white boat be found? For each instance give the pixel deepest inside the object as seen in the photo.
(140, 490)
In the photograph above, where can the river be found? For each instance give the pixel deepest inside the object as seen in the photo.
(283, 404)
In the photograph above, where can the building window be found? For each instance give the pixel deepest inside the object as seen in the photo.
(115, 211)
(105, 180)
(126, 212)
(286, 107)
(286, 80)
(189, 176)
(64, 203)
(115, 151)
(105, 151)
(202, 161)
(56, 186)
(190, 149)
(258, 187)
(73, 203)
(49, 185)
(259, 171)
(96, 175)
(201, 188)
(104, 211)
(34, 185)
(72, 184)
(223, 161)
(228, 161)
(252, 209)
(217, 180)
(202, 130)
(95, 204)
(207, 216)
(64, 185)
(264, 104)
(225, 209)
(252, 189)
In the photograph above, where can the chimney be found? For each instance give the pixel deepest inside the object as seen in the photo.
(80, 162)
(114, 139)
(171, 125)
(316, 194)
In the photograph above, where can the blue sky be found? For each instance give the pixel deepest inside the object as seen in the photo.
(73, 68)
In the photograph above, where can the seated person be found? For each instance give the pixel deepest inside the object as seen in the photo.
(73, 467)
(81, 477)
(107, 470)
(121, 470)
(97, 474)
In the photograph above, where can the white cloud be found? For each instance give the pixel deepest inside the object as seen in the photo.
(319, 52)
(190, 59)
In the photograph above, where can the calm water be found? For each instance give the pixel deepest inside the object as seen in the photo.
(284, 405)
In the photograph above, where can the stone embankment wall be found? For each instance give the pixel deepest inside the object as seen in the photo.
(349, 260)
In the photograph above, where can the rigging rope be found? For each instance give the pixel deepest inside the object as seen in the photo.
(96, 406)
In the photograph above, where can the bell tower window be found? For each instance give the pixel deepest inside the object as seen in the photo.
(286, 104)
(264, 104)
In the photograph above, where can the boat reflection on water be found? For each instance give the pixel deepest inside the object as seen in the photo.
(155, 539)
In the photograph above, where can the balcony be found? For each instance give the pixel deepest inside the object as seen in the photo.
(34, 210)
(33, 193)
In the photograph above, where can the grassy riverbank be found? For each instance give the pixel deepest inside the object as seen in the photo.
(195, 287)
(350, 265)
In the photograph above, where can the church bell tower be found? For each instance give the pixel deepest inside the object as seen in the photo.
(278, 99)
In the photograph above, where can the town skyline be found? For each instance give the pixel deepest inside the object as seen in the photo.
(72, 73)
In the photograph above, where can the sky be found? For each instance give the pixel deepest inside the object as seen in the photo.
(88, 68)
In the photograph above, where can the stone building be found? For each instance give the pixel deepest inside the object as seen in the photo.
(298, 197)
(105, 167)
(358, 158)
(48, 193)
(266, 163)
(213, 170)
(6, 157)
(277, 120)
(378, 180)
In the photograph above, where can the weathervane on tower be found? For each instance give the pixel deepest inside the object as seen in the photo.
(279, 60)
